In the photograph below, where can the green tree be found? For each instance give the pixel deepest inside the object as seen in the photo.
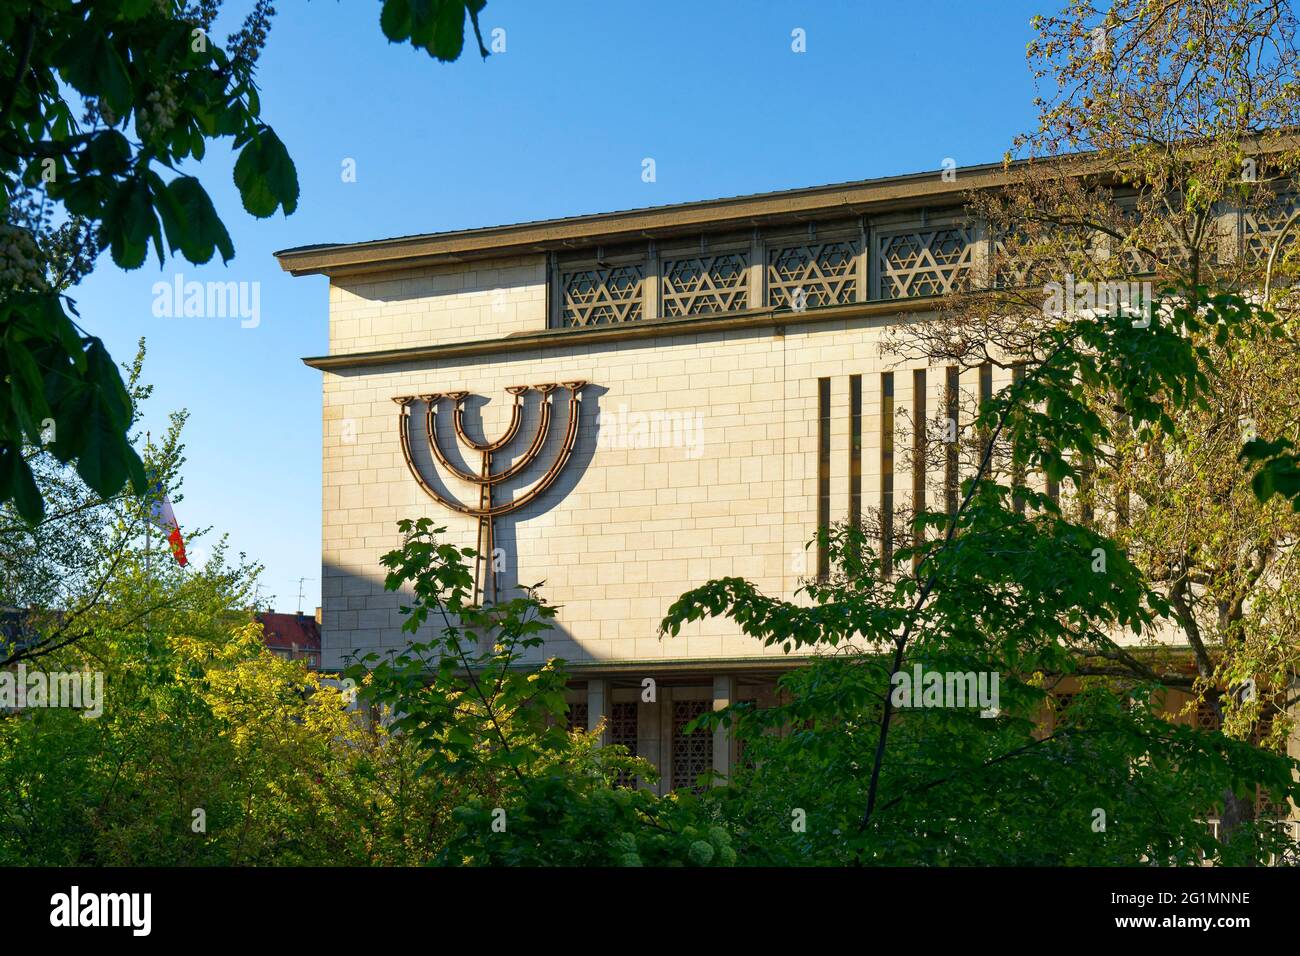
(156, 90)
(1006, 585)
(209, 749)
(489, 717)
(1165, 153)
(59, 570)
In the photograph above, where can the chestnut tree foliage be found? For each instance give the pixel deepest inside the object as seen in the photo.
(107, 108)
(472, 695)
(1165, 153)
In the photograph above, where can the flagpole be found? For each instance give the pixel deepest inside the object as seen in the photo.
(148, 527)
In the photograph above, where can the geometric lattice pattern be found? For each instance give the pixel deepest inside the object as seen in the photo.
(622, 731)
(1011, 271)
(1268, 807)
(1165, 247)
(578, 716)
(1207, 718)
(607, 296)
(924, 262)
(1260, 227)
(1060, 704)
(1266, 804)
(826, 272)
(1167, 252)
(705, 284)
(692, 753)
(1136, 262)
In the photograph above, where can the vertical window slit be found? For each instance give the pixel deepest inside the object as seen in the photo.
(855, 450)
(986, 436)
(918, 446)
(823, 475)
(951, 435)
(1017, 469)
(886, 472)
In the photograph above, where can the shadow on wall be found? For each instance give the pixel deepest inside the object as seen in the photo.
(360, 617)
(496, 279)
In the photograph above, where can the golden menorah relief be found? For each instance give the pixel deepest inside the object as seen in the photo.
(493, 503)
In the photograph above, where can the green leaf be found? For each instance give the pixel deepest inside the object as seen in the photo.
(27, 388)
(136, 9)
(18, 485)
(448, 31)
(198, 229)
(90, 63)
(129, 221)
(108, 152)
(105, 459)
(266, 176)
(395, 20)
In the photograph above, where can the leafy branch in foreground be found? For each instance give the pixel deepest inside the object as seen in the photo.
(1010, 586)
(155, 90)
(489, 719)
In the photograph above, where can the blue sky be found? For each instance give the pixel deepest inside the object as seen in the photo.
(557, 125)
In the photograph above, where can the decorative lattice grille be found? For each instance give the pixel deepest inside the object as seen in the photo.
(1266, 805)
(1012, 268)
(622, 731)
(743, 756)
(924, 262)
(602, 296)
(1167, 252)
(1061, 704)
(826, 272)
(1030, 255)
(578, 716)
(692, 753)
(1261, 227)
(1206, 716)
(705, 284)
(1162, 246)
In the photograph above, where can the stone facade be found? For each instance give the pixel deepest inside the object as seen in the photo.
(716, 429)
(696, 458)
(437, 305)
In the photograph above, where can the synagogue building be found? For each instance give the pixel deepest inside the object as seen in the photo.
(626, 405)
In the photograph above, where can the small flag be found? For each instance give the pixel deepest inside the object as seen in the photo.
(160, 513)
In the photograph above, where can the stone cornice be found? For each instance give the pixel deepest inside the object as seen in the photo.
(775, 319)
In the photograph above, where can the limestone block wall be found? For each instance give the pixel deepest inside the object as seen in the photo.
(696, 458)
(439, 304)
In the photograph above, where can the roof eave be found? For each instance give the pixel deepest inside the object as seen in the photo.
(859, 198)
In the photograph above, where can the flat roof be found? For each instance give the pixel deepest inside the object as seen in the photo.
(928, 188)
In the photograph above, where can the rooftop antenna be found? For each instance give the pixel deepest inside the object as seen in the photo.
(300, 580)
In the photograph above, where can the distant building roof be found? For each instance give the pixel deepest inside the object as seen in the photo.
(290, 631)
(22, 628)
